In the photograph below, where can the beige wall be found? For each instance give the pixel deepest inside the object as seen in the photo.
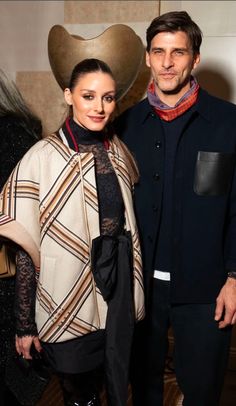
(24, 27)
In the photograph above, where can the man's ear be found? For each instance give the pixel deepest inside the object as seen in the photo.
(147, 59)
(68, 96)
(196, 60)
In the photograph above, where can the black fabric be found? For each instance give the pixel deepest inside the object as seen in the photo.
(16, 137)
(111, 260)
(80, 355)
(27, 379)
(6, 396)
(200, 352)
(120, 315)
(104, 264)
(26, 284)
(195, 218)
(200, 364)
(82, 389)
(203, 243)
(111, 206)
(172, 133)
(214, 172)
(151, 348)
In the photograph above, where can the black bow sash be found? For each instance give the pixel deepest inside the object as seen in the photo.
(112, 269)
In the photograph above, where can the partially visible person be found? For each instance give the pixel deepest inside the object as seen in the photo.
(19, 130)
(78, 225)
(184, 141)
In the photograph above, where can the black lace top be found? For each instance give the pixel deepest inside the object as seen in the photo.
(111, 216)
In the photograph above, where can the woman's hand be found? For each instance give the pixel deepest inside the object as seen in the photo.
(24, 344)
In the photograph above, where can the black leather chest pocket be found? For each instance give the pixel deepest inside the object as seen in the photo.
(213, 173)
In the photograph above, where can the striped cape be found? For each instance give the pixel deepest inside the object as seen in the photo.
(49, 206)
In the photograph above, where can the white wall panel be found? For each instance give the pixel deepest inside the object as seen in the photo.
(24, 27)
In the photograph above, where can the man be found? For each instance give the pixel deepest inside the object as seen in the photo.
(184, 141)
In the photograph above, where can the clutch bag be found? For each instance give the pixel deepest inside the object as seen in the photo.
(27, 379)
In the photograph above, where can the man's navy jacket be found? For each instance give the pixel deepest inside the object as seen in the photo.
(204, 193)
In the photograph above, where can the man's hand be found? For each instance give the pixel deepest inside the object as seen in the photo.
(226, 304)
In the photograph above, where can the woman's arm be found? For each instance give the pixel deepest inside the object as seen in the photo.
(25, 296)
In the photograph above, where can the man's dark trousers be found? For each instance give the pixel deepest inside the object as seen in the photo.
(200, 355)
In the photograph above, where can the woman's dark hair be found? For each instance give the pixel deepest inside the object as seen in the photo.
(172, 22)
(88, 66)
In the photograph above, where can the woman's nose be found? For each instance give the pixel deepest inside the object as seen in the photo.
(99, 107)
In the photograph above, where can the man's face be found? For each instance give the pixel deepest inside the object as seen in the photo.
(171, 61)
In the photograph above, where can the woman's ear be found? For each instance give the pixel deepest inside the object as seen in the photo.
(68, 96)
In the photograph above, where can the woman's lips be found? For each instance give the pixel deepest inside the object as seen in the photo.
(96, 119)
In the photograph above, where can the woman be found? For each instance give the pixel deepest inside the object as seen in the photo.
(19, 130)
(74, 217)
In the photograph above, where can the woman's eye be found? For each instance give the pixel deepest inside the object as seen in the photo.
(88, 97)
(109, 99)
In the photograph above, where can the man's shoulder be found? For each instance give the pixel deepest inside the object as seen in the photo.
(218, 104)
(141, 107)
(132, 117)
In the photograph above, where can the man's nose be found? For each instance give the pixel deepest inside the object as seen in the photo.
(167, 61)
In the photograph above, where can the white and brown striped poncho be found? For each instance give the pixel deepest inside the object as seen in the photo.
(49, 206)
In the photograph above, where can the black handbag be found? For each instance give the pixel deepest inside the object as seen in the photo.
(27, 379)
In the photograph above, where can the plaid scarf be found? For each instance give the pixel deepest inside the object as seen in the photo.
(168, 113)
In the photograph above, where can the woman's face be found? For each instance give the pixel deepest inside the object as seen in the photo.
(92, 100)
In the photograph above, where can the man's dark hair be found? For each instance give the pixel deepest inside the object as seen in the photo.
(172, 22)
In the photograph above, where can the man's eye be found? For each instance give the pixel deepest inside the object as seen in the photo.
(179, 52)
(158, 51)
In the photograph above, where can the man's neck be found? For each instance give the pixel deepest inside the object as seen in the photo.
(172, 99)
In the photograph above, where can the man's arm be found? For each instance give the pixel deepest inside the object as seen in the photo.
(225, 311)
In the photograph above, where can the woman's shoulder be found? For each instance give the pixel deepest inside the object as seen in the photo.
(44, 147)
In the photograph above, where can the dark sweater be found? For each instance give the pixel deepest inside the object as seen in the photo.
(172, 132)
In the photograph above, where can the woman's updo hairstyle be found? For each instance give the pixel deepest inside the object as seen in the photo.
(88, 66)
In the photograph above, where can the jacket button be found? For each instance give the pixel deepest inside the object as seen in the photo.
(156, 176)
(155, 208)
(158, 144)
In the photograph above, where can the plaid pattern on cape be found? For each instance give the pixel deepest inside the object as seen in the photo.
(51, 210)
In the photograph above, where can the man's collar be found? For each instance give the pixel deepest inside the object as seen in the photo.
(202, 106)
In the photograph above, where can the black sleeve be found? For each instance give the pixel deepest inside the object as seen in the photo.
(25, 295)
